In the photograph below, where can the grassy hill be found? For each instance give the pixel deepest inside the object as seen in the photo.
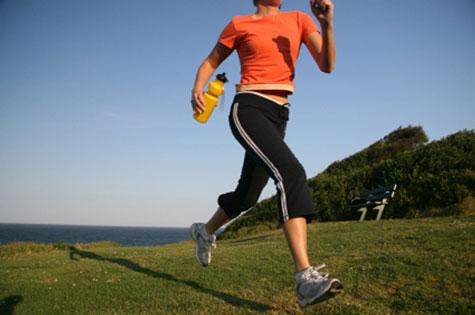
(434, 179)
(399, 266)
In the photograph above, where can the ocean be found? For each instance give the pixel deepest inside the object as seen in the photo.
(127, 236)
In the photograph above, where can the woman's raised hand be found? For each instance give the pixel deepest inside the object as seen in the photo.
(324, 11)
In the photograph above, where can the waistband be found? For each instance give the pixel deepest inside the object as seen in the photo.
(267, 106)
(263, 96)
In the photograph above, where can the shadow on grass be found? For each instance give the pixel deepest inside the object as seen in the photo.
(8, 304)
(253, 238)
(228, 298)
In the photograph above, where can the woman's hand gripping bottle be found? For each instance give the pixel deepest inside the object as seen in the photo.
(215, 89)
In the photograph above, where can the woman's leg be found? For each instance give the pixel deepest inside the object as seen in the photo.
(257, 131)
(252, 181)
(218, 219)
(295, 230)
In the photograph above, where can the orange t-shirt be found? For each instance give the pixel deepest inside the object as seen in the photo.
(268, 48)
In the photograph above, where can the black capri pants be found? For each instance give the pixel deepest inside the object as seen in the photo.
(258, 123)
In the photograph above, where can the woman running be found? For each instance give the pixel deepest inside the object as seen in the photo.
(268, 44)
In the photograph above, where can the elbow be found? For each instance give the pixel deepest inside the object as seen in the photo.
(325, 65)
(330, 70)
(327, 68)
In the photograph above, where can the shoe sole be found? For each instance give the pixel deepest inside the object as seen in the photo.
(335, 288)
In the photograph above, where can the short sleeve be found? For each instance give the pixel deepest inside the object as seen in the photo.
(307, 26)
(228, 36)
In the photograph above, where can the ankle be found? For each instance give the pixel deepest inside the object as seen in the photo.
(302, 267)
(208, 230)
(301, 270)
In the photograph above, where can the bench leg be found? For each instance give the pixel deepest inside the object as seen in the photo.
(380, 209)
(363, 213)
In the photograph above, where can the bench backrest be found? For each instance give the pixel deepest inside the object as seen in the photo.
(373, 196)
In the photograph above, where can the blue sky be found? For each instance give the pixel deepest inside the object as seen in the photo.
(96, 125)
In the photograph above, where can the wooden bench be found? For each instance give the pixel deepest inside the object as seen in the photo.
(375, 199)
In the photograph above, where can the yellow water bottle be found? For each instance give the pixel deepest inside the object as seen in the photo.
(215, 89)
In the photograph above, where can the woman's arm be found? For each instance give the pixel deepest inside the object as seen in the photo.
(322, 47)
(205, 71)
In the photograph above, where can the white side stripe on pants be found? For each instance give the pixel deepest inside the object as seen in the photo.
(280, 181)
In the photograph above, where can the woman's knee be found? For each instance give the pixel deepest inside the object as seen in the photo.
(233, 206)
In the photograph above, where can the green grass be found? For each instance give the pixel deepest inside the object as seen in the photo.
(417, 266)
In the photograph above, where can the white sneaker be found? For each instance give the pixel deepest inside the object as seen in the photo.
(314, 286)
(204, 242)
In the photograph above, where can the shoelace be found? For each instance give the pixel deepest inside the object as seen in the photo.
(211, 240)
(314, 273)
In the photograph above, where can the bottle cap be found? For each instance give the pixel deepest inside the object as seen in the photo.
(222, 77)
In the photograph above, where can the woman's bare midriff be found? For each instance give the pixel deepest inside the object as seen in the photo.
(280, 96)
